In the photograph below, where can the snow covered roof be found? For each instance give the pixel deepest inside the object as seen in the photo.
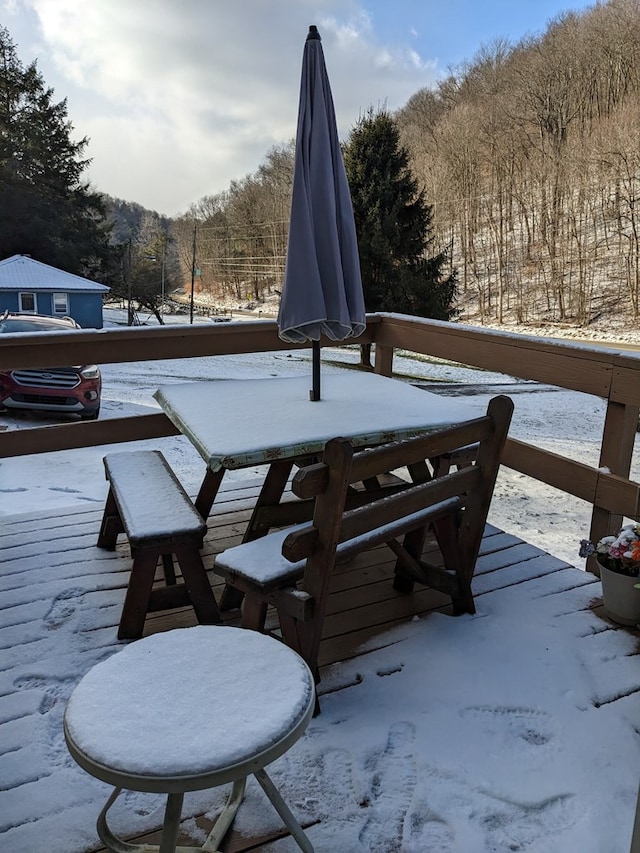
(20, 272)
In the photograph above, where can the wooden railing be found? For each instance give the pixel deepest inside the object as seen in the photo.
(612, 375)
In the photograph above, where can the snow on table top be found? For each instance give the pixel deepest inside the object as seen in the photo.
(188, 701)
(243, 422)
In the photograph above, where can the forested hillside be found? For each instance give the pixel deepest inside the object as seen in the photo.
(530, 155)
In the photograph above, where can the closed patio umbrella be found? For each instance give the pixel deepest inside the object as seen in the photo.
(322, 290)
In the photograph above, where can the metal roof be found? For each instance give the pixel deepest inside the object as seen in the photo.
(20, 272)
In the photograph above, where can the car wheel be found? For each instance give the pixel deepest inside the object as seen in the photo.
(90, 416)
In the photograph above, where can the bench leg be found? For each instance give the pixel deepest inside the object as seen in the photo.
(254, 612)
(456, 560)
(168, 569)
(304, 638)
(111, 524)
(136, 601)
(413, 544)
(198, 586)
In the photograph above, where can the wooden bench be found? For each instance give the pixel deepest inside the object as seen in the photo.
(147, 502)
(292, 570)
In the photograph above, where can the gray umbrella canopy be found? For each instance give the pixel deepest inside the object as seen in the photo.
(322, 290)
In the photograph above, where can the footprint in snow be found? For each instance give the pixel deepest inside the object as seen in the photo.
(515, 827)
(391, 790)
(527, 726)
(63, 607)
(55, 693)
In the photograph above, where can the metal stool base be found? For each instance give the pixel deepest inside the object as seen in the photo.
(171, 824)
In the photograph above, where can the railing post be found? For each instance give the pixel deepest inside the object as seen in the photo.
(383, 360)
(616, 453)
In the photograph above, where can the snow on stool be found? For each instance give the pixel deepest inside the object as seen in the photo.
(189, 709)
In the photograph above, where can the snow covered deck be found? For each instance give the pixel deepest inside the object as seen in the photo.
(59, 611)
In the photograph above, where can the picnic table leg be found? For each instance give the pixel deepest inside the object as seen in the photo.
(208, 491)
(270, 495)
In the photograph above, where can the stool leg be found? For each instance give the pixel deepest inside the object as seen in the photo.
(170, 829)
(225, 818)
(171, 825)
(635, 837)
(111, 841)
(283, 810)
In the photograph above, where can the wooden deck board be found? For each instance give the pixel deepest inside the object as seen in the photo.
(52, 570)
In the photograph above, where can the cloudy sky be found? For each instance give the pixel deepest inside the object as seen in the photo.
(180, 97)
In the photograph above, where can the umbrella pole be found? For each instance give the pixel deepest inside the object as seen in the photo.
(314, 393)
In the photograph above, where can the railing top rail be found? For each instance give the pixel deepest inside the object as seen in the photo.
(607, 373)
(479, 334)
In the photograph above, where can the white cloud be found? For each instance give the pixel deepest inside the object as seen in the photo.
(180, 98)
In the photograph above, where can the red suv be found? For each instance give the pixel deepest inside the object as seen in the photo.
(61, 390)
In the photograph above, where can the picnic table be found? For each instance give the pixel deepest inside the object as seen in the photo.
(241, 423)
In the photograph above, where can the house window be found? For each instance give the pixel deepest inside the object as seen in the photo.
(27, 303)
(61, 303)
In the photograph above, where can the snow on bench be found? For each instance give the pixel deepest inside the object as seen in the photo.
(151, 501)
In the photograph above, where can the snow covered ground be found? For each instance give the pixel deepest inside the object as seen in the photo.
(486, 733)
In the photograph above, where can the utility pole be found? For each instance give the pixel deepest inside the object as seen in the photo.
(164, 245)
(129, 312)
(193, 271)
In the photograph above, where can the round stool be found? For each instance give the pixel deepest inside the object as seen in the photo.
(189, 709)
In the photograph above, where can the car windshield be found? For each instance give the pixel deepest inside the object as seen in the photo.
(25, 325)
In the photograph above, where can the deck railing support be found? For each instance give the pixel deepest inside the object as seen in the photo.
(616, 454)
(383, 360)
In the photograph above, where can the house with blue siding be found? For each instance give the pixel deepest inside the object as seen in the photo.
(31, 287)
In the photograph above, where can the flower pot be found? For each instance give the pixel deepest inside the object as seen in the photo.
(620, 598)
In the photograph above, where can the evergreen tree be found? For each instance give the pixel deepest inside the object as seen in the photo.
(393, 223)
(45, 208)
